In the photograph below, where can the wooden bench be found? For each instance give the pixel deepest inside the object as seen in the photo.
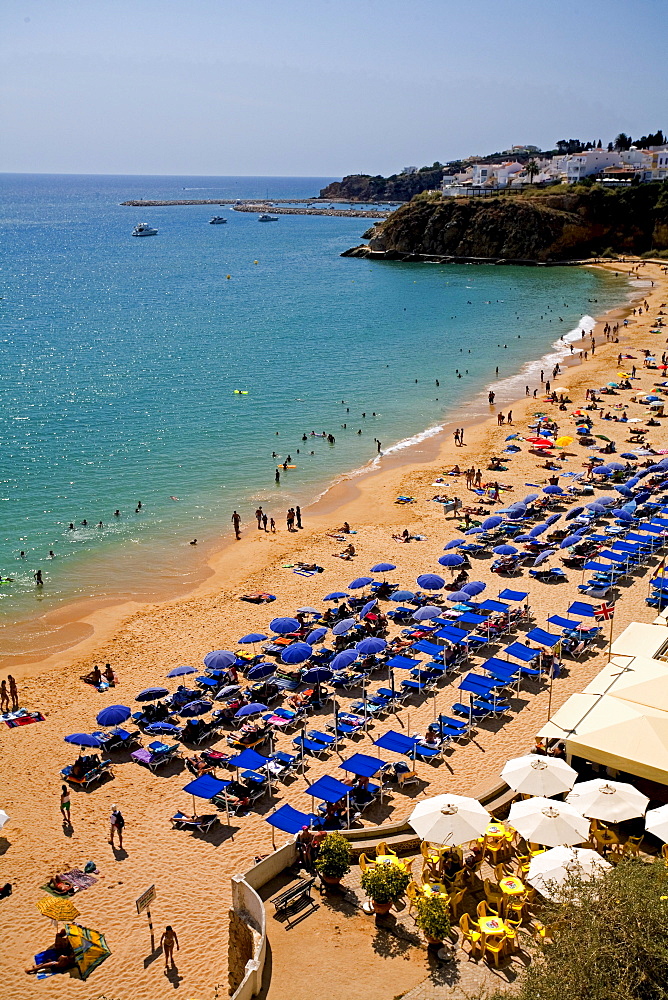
(293, 898)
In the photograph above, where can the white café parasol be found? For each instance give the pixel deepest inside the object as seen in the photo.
(449, 819)
(611, 801)
(548, 822)
(535, 774)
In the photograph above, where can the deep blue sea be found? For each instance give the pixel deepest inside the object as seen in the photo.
(119, 358)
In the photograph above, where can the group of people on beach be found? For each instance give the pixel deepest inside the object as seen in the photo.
(265, 523)
(7, 695)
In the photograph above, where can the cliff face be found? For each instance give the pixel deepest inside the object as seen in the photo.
(540, 227)
(398, 187)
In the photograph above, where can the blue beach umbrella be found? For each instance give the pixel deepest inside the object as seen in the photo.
(430, 581)
(299, 652)
(337, 595)
(199, 707)
(253, 709)
(543, 556)
(474, 588)
(530, 497)
(616, 466)
(369, 606)
(219, 659)
(624, 490)
(261, 670)
(307, 611)
(553, 490)
(162, 727)
(524, 538)
(570, 540)
(552, 519)
(252, 637)
(151, 694)
(181, 671)
(344, 659)
(452, 559)
(606, 501)
(426, 613)
(538, 530)
(361, 581)
(383, 568)
(473, 531)
(283, 626)
(518, 509)
(492, 522)
(83, 740)
(602, 470)
(371, 646)
(573, 512)
(113, 715)
(317, 635)
(624, 515)
(402, 595)
(459, 597)
(631, 456)
(506, 550)
(453, 544)
(344, 626)
(317, 675)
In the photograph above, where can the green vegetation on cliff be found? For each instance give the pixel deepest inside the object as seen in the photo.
(557, 223)
(398, 187)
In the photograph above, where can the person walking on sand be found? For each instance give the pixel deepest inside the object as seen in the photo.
(509, 418)
(298, 515)
(290, 519)
(457, 436)
(13, 692)
(4, 697)
(258, 515)
(236, 521)
(116, 825)
(168, 940)
(264, 521)
(65, 805)
(272, 525)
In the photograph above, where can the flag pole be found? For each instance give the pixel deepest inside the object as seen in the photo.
(610, 639)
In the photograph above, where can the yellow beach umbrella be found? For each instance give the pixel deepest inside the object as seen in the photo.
(564, 441)
(57, 909)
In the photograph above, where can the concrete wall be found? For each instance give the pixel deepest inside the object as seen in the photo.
(248, 922)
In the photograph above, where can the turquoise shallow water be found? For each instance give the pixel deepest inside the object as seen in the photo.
(119, 357)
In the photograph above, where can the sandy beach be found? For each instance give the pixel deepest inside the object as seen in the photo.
(143, 642)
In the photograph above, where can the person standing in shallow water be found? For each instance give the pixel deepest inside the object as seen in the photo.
(298, 515)
(236, 521)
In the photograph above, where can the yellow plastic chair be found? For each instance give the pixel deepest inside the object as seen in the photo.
(494, 947)
(502, 871)
(483, 909)
(664, 852)
(493, 895)
(455, 901)
(412, 895)
(471, 934)
(631, 848)
(522, 862)
(383, 849)
(433, 857)
(515, 908)
(512, 935)
(363, 862)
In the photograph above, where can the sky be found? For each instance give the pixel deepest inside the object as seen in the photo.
(318, 87)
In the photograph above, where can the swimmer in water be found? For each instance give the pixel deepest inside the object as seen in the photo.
(194, 541)
(85, 522)
(70, 527)
(117, 513)
(38, 578)
(52, 554)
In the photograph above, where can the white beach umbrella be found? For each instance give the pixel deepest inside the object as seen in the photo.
(548, 871)
(656, 822)
(3, 818)
(548, 822)
(449, 819)
(611, 801)
(535, 774)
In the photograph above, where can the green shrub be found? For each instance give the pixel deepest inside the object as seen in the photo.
(385, 883)
(333, 860)
(433, 917)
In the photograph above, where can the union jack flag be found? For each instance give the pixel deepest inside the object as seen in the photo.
(604, 612)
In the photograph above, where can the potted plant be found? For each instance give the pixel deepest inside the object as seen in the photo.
(433, 918)
(384, 884)
(333, 861)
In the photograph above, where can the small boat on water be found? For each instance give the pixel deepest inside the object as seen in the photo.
(217, 220)
(268, 218)
(143, 229)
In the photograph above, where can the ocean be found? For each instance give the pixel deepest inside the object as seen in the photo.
(119, 358)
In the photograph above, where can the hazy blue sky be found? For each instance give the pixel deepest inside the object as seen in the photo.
(318, 87)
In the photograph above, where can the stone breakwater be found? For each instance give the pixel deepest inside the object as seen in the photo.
(279, 207)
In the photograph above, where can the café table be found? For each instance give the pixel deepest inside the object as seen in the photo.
(492, 926)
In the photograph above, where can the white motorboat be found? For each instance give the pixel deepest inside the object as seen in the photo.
(217, 220)
(143, 229)
(268, 218)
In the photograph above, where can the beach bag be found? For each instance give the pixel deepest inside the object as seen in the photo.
(90, 867)
(120, 822)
